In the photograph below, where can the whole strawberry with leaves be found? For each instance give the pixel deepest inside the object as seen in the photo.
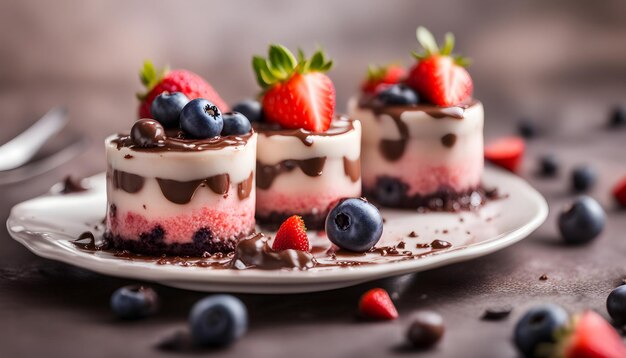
(190, 84)
(378, 77)
(296, 91)
(439, 76)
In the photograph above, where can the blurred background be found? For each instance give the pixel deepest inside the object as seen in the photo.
(558, 62)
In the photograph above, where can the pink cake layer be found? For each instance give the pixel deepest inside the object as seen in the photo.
(273, 200)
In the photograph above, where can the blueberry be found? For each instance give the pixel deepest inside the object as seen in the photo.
(582, 222)
(583, 178)
(618, 117)
(426, 330)
(616, 304)
(354, 224)
(134, 302)
(147, 133)
(201, 119)
(527, 128)
(389, 191)
(167, 106)
(251, 109)
(398, 95)
(548, 165)
(235, 123)
(218, 320)
(538, 325)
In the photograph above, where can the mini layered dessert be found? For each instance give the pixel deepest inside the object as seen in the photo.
(183, 182)
(307, 157)
(422, 132)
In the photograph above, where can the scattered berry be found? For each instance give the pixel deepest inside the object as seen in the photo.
(389, 191)
(583, 178)
(582, 222)
(439, 76)
(134, 302)
(235, 123)
(618, 117)
(147, 133)
(291, 235)
(616, 304)
(167, 106)
(297, 92)
(527, 128)
(537, 326)
(376, 304)
(549, 165)
(251, 109)
(398, 95)
(354, 224)
(380, 76)
(159, 81)
(619, 192)
(201, 119)
(426, 330)
(506, 152)
(218, 320)
(590, 336)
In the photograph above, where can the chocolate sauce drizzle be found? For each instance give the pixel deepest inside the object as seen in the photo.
(130, 183)
(177, 142)
(352, 168)
(266, 174)
(339, 125)
(255, 252)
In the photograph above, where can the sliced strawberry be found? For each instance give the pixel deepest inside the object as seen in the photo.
(439, 76)
(291, 235)
(380, 76)
(619, 192)
(592, 337)
(376, 304)
(506, 152)
(297, 92)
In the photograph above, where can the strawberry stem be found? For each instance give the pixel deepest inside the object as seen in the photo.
(150, 77)
(281, 64)
(428, 42)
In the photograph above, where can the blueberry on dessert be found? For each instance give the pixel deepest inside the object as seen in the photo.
(307, 157)
(180, 184)
(251, 109)
(422, 131)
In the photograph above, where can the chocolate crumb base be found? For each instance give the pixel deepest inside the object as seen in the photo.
(392, 192)
(151, 243)
(274, 219)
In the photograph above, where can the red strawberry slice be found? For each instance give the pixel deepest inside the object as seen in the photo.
(619, 192)
(506, 152)
(380, 77)
(189, 83)
(439, 76)
(376, 304)
(297, 92)
(592, 337)
(291, 235)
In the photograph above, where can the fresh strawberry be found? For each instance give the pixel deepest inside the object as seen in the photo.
(297, 92)
(380, 76)
(291, 235)
(590, 336)
(506, 152)
(190, 84)
(619, 192)
(439, 76)
(376, 304)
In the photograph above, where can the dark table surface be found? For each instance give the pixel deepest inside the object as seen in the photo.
(564, 69)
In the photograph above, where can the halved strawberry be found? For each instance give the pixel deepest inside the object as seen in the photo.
(590, 336)
(376, 304)
(619, 192)
(439, 76)
(380, 76)
(297, 92)
(291, 235)
(506, 152)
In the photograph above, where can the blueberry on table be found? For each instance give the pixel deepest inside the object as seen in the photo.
(539, 325)
(616, 304)
(527, 128)
(167, 106)
(251, 109)
(201, 119)
(134, 302)
(582, 222)
(235, 123)
(426, 329)
(147, 133)
(618, 117)
(398, 95)
(354, 225)
(584, 178)
(548, 165)
(218, 320)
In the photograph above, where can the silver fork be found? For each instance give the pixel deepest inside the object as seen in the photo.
(19, 150)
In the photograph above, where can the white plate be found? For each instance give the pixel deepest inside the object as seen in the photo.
(46, 225)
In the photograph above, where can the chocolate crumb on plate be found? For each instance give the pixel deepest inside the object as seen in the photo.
(497, 313)
(128, 156)
(401, 245)
(413, 234)
(543, 277)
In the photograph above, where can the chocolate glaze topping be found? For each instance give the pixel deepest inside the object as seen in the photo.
(265, 174)
(147, 133)
(130, 183)
(339, 125)
(175, 141)
(255, 252)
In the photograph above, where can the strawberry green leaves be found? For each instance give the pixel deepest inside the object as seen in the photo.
(431, 48)
(150, 77)
(281, 64)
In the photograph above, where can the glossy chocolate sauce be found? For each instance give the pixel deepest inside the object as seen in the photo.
(352, 168)
(245, 187)
(130, 183)
(265, 174)
(255, 252)
(175, 141)
(339, 125)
